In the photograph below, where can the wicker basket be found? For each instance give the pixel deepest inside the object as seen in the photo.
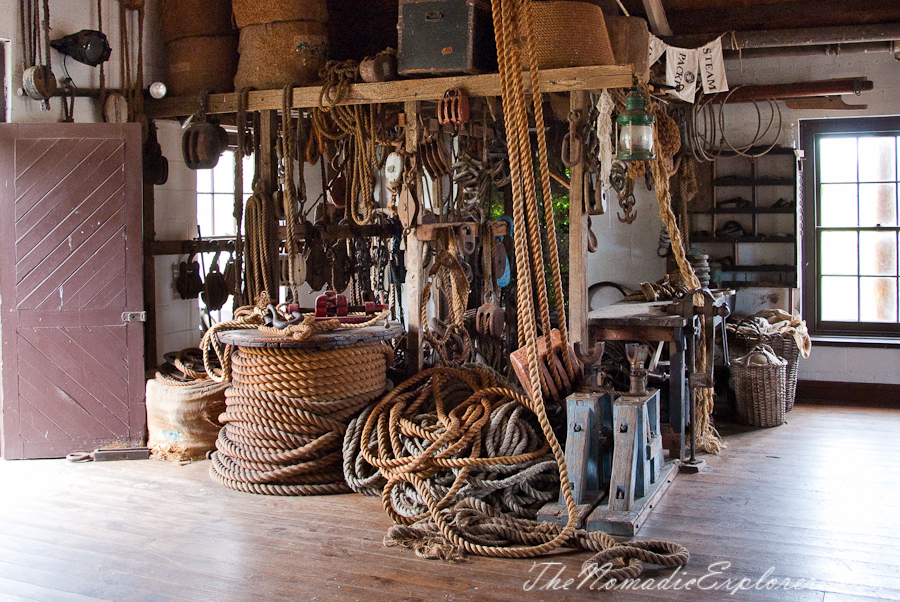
(201, 63)
(256, 12)
(784, 346)
(760, 389)
(570, 34)
(274, 55)
(191, 18)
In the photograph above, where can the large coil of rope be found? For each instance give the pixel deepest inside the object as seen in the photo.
(504, 459)
(290, 401)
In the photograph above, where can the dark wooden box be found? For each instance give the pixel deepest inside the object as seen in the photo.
(445, 37)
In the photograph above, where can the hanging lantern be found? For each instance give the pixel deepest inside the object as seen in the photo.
(635, 142)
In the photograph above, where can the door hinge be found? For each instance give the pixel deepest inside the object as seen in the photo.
(134, 316)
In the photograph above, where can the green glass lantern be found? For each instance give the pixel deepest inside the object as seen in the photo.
(635, 141)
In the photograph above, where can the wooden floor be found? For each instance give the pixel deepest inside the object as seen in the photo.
(815, 499)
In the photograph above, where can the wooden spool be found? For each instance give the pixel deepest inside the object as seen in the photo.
(273, 55)
(570, 34)
(201, 63)
(257, 12)
(190, 18)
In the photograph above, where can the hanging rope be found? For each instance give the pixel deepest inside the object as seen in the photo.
(261, 250)
(708, 438)
(354, 124)
(289, 187)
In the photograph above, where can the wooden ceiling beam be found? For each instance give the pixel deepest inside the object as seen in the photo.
(783, 38)
(656, 17)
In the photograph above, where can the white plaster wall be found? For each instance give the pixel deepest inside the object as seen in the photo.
(177, 319)
(70, 16)
(626, 253)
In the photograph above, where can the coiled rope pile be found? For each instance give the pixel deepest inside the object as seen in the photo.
(461, 447)
(288, 407)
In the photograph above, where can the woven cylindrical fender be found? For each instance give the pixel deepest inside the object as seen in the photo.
(255, 12)
(201, 63)
(182, 420)
(570, 34)
(273, 55)
(189, 18)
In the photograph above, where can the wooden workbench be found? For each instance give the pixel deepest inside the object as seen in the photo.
(647, 321)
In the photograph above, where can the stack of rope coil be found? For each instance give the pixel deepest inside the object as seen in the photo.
(508, 465)
(288, 408)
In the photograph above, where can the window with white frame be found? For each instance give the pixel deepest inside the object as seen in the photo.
(851, 279)
(215, 211)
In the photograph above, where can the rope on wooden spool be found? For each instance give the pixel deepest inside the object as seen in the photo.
(287, 412)
(288, 408)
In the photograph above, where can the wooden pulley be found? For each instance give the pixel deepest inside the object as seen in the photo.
(215, 287)
(551, 363)
(39, 82)
(490, 320)
(204, 140)
(453, 108)
(189, 284)
(380, 68)
(232, 277)
(337, 189)
(202, 144)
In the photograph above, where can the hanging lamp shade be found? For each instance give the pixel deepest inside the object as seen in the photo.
(635, 142)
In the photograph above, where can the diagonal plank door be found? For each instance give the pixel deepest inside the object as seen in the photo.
(70, 266)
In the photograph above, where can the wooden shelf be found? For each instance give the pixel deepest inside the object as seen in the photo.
(747, 181)
(552, 80)
(745, 211)
(787, 269)
(783, 239)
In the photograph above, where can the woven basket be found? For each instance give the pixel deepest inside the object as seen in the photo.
(274, 55)
(784, 346)
(189, 18)
(570, 34)
(759, 389)
(255, 12)
(201, 63)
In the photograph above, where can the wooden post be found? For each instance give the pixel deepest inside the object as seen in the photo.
(414, 251)
(149, 228)
(578, 236)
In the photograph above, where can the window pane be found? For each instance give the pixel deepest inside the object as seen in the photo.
(840, 299)
(839, 253)
(224, 216)
(837, 161)
(878, 253)
(205, 213)
(878, 299)
(877, 159)
(838, 206)
(877, 205)
(204, 180)
(223, 173)
(248, 175)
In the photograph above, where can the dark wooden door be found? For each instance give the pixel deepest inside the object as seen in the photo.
(70, 267)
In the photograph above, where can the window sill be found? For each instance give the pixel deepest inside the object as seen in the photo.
(855, 341)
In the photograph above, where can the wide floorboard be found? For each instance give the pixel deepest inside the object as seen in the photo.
(814, 500)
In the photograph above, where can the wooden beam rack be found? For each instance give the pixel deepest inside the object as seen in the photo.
(488, 84)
